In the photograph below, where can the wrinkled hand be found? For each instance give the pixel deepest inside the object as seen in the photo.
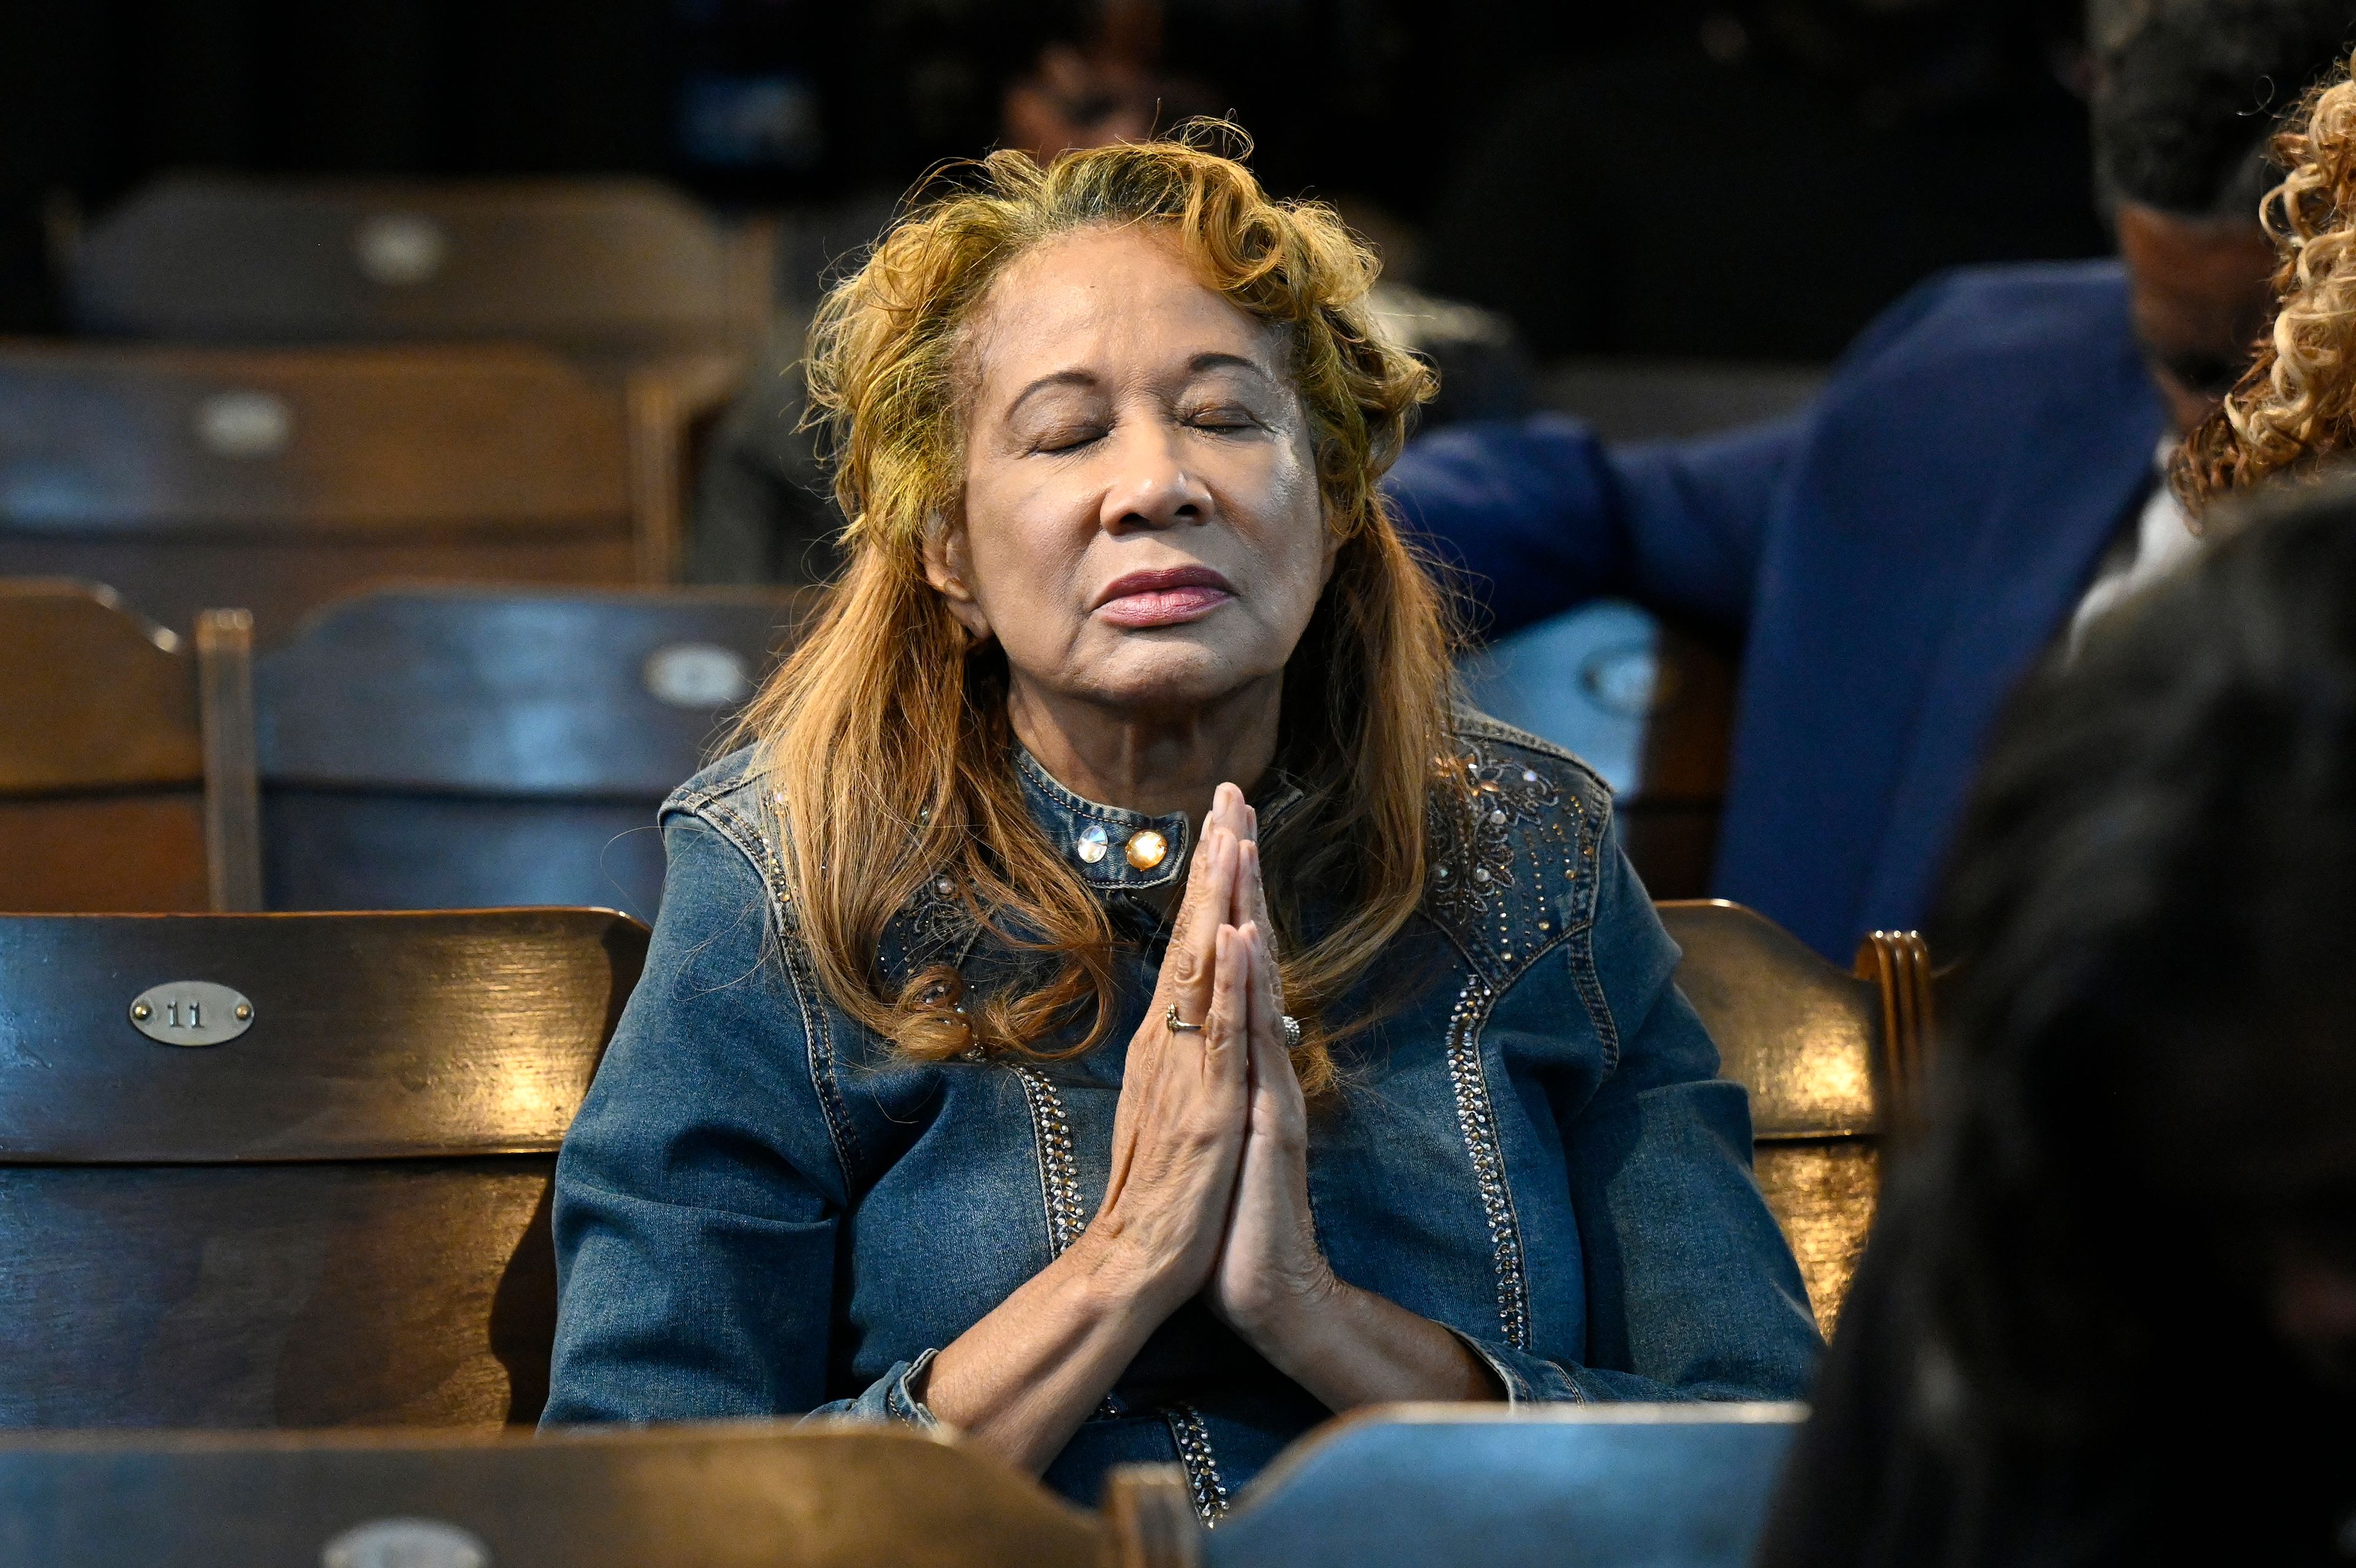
(1270, 1273)
(1179, 1129)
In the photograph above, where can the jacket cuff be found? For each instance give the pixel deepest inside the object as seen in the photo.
(1526, 1379)
(897, 1395)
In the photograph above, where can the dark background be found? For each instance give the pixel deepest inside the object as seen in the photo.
(1731, 180)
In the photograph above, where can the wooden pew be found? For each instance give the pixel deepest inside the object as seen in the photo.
(616, 268)
(286, 1169)
(1435, 1486)
(462, 747)
(277, 480)
(743, 1495)
(1832, 1061)
(126, 767)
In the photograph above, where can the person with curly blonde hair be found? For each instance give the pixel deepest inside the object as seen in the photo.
(2295, 406)
(1117, 1004)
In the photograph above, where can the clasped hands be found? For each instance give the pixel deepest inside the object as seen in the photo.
(1208, 1192)
(1207, 1198)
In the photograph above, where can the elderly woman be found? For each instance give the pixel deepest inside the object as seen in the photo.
(1116, 1006)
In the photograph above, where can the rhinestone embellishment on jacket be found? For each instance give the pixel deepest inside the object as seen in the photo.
(1146, 850)
(1093, 842)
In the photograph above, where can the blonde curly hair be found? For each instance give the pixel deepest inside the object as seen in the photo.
(2296, 405)
(884, 738)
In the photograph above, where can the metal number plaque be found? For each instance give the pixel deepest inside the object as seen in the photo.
(405, 1543)
(697, 674)
(190, 1012)
(399, 249)
(244, 424)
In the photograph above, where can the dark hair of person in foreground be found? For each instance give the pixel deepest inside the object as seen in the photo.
(2109, 1315)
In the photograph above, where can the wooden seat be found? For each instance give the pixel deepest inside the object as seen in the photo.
(601, 267)
(1427, 1485)
(1832, 1062)
(748, 1495)
(426, 748)
(337, 1215)
(126, 775)
(276, 480)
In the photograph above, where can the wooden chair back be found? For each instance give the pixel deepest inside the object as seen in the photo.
(1437, 1485)
(602, 267)
(744, 1496)
(460, 748)
(1832, 1062)
(277, 480)
(1669, 822)
(126, 772)
(290, 1170)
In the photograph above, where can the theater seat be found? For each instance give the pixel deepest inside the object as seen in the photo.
(597, 267)
(747, 1496)
(286, 1169)
(1832, 1063)
(126, 775)
(275, 480)
(1628, 1485)
(461, 748)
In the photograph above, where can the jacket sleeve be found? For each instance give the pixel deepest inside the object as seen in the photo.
(1538, 515)
(1692, 1291)
(699, 1192)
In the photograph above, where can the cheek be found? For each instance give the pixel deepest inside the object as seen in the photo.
(1022, 536)
(1296, 539)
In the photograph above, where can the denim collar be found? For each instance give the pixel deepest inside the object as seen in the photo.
(1098, 839)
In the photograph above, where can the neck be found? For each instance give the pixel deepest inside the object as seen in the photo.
(1157, 763)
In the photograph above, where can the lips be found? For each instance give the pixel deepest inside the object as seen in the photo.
(1168, 596)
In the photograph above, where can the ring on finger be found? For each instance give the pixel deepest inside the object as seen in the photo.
(1292, 1031)
(1178, 1025)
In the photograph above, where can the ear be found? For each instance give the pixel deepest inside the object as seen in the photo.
(948, 567)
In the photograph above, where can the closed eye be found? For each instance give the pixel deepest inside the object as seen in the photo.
(1226, 419)
(1068, 438)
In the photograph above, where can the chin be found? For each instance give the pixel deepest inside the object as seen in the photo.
(1174, 674)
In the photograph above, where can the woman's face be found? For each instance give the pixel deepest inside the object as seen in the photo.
(1142, 526)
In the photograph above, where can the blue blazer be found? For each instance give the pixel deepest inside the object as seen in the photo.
(1892, 560)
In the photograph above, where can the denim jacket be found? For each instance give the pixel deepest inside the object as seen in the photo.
(762, 1209)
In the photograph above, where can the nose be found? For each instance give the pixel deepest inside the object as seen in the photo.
(1151, 487)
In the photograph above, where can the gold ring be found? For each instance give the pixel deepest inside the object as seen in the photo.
(1171, 1017)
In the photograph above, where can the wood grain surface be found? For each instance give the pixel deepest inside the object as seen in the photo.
(409, 1035)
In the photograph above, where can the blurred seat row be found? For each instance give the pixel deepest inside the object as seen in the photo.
(286, 391)
(1411, 1485)
(403, 748)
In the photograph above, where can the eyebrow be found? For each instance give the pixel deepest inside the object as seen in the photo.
(1059, 379)
(1218, 361)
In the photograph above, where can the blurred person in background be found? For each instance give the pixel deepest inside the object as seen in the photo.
(2108, 1315)
(1983, 470)
(2295, 407)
